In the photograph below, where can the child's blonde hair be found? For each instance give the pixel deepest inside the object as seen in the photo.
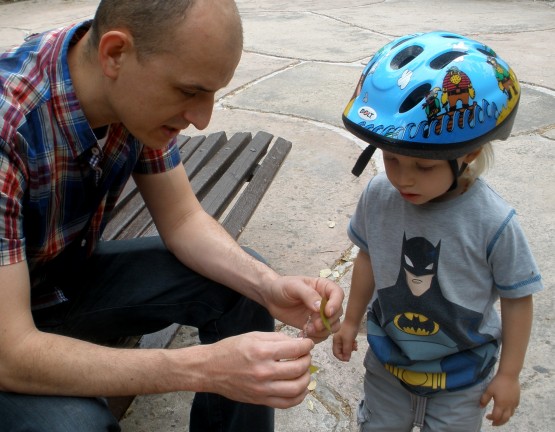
(482, 163)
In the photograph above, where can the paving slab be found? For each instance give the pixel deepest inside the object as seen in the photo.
(21, 18)
(307, 36)
(300, 63)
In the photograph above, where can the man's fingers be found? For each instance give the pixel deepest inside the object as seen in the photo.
(291, 348)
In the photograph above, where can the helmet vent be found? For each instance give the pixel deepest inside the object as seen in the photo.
(444, 59)
(489, 53)
(402, 41)
(415, 97)
(405, 56)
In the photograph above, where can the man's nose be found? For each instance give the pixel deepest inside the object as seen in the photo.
(200, 113)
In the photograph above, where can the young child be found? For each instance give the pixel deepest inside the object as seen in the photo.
(438, 247)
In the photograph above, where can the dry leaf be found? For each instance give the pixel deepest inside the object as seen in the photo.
(310, 405)
(324, 273)
(312, 385)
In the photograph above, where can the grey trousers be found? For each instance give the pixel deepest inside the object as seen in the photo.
(390, 407)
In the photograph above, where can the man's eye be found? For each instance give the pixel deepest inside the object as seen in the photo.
(188, 94)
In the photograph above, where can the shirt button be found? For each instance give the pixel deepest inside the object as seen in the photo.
(83, 243)
(95, 151)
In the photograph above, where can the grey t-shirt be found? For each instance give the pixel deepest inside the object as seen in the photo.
(439, 268)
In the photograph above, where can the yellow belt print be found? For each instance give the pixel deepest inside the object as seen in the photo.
(434, 380)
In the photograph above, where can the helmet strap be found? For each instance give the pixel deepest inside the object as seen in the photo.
(457, 172)
(363, 160)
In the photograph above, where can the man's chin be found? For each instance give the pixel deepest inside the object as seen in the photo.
(159, 140)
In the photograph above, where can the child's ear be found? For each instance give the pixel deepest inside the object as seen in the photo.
(470, 157)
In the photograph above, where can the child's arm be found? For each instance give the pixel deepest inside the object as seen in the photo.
(516, 318)
(362, 288)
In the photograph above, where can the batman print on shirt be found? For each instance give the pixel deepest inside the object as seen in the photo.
(428, 342)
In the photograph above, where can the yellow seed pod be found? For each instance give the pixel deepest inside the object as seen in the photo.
(323, 315)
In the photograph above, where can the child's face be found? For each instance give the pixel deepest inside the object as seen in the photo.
(418, 180)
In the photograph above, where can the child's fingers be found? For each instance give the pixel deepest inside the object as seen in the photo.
(499, 416)
(340, 349)
(485, 399)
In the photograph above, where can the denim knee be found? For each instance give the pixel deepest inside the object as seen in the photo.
(28, 413)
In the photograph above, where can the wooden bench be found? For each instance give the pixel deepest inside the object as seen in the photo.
(226, 174)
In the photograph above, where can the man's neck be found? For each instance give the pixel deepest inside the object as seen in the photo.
(87, 78)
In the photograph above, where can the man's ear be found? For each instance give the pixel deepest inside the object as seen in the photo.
(113, 48)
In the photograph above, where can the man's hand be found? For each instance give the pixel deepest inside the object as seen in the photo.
(260, 368)
(293, 299)
(505, 391)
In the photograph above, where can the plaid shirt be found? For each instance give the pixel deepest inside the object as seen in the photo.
(56, 181)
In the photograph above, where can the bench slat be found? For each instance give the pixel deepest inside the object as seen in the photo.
(204, 152)
(238, 217)
(209, 174)
(191, 146)
(225, 189)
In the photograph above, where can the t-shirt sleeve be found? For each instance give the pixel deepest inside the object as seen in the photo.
(357, 228)
(514, 268)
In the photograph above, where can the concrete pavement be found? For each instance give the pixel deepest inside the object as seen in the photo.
(300, 64)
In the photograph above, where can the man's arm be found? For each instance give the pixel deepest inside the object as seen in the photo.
(201, 243)
(32, 361)
(196, 239)
(245, 368)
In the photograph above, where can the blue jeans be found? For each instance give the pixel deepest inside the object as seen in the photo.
(128, 288)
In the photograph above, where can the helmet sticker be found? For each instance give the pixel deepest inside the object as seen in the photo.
(461, 46)
(504, 79)
(457, 94)
(405, 79)
(367, 113)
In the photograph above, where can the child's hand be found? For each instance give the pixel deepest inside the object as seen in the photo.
(344, 342)
(505, 391)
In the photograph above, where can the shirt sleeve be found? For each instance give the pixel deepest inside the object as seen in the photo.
(158, 161)
(12, 241)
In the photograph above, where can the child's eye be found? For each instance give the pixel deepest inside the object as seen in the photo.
(425, 167)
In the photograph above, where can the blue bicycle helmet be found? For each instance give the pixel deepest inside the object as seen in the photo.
(436, 95)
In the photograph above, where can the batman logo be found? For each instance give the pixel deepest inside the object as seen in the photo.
(415, 324)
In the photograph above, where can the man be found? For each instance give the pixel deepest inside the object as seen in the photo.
(82, 109)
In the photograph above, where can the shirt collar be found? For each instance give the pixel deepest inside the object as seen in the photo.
(70, 116)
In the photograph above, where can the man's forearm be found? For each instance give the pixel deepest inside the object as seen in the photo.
(205, 246)
(50, 364)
